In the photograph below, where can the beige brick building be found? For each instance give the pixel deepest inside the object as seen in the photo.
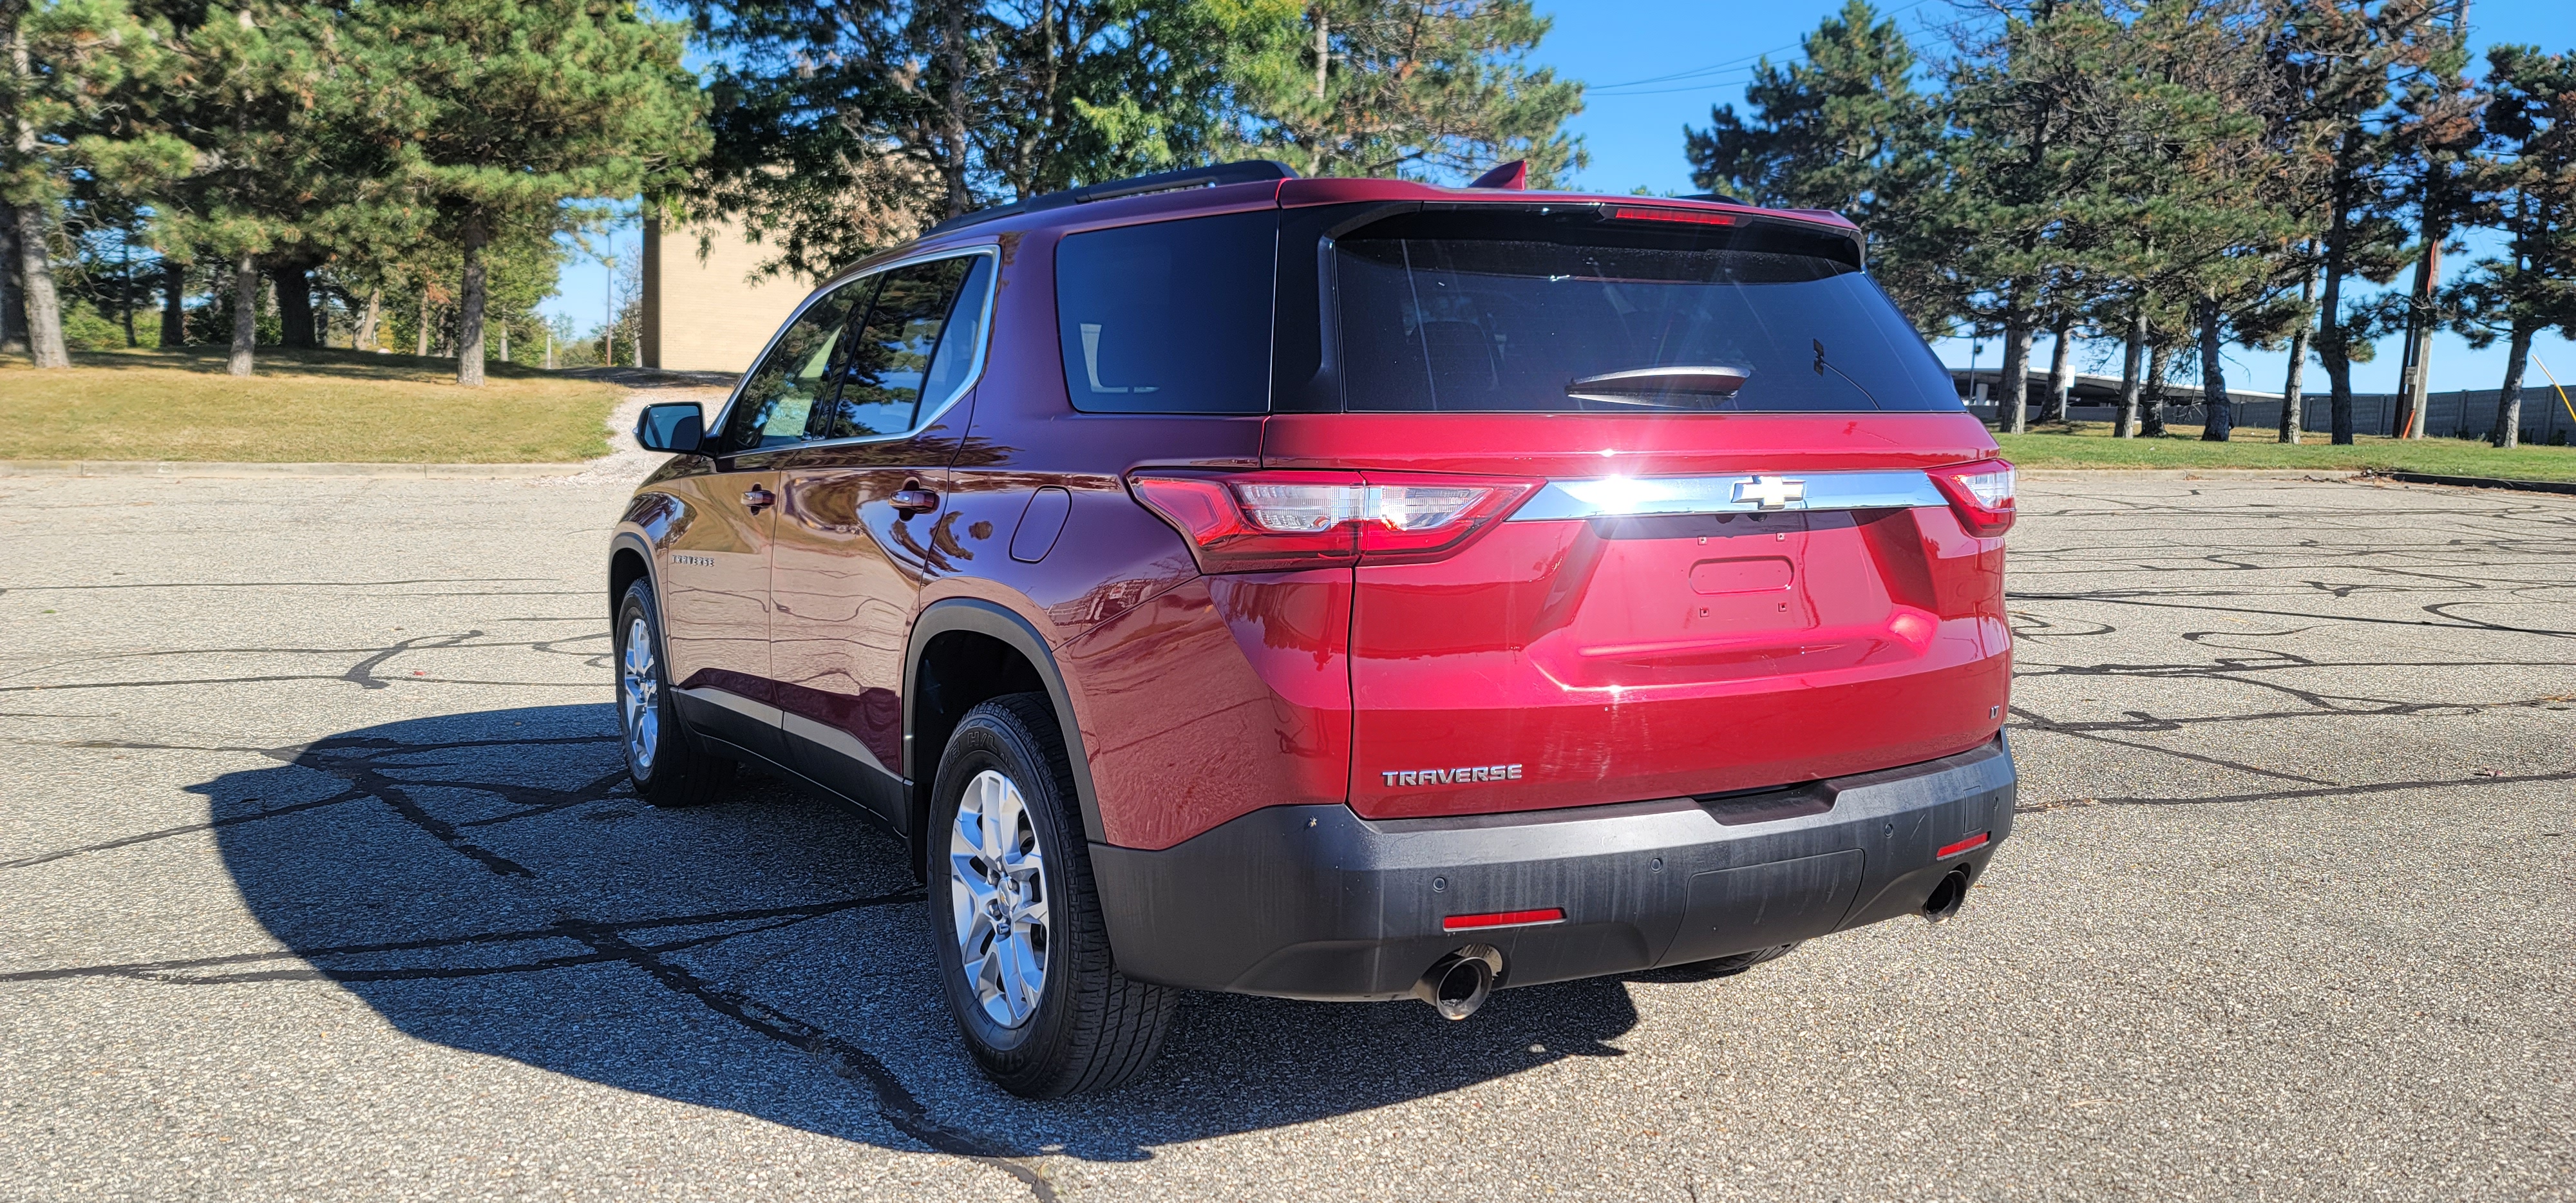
(709, 313)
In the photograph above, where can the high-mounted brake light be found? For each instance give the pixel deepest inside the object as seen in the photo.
(1694, 217)
(1981, 494)
(1553, 914)
(1275, 521)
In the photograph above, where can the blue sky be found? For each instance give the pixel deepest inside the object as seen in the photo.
(1655, 66)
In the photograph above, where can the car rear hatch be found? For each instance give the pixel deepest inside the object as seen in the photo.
(1664, 505)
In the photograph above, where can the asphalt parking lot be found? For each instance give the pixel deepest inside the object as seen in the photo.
(319, 880)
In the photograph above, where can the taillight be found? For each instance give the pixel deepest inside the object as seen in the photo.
(1981, 493)
(1273, 521)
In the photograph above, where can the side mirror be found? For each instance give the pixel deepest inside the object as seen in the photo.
(674, 426)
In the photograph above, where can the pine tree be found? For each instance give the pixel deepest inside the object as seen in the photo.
(2524, 186)
(2343, 58)
(1841, 128)
(68, 61)
(840, 129)
(507, 109)
(2031, 184)
(1419, 89)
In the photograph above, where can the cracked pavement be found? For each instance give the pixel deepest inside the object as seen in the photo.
(319, 879)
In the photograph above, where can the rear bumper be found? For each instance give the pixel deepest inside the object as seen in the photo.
(1315, 902)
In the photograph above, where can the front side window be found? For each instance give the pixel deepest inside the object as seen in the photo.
(1172, 317)
(777, 399)
(913, 350)
(1491, 313)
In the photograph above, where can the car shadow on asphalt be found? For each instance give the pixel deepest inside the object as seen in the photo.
(489, 882)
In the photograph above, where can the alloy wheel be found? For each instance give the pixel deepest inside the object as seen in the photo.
(997, 892)
(640, 695)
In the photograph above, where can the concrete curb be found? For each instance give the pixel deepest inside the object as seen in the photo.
(180, 469)
(2482, 482)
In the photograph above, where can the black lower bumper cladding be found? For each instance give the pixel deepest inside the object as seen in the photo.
(1316, 902)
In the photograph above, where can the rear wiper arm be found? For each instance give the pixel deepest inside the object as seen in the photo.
(1648, 386)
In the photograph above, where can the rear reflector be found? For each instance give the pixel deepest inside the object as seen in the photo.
(1980, 493)
(1970, 844)
(1554, 914)
(1277, 521)
(1685, 216)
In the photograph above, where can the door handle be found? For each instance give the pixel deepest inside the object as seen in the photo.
(759, 499)
(914, 501)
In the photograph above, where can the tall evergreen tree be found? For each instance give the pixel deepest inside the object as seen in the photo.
(2435, 130)
(2526, 187)
(2343, 58)
(843, 128)
(1843, 128)
(506, 109)
(2030, 187)
(1415, 88)
(68, 62)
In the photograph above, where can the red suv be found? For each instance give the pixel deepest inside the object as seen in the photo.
(1340, 589)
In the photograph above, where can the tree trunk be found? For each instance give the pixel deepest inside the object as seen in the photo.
(365, 337)
(2293, 408)
(13, 308)
(2061, 371)
(2331, 348)
(35, 267)
(36, 272)
(2508, 423)
(2151, 421)
(2126, 424)
(2014, 403)
(294, 304)
(245, 313)
(504, 326)
(469, 316)
(952, 123)
(421, 341)
(2417, 380)
(125, 286)
(174, 303)
(2221, 421)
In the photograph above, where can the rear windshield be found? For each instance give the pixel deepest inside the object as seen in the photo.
(1445, 312)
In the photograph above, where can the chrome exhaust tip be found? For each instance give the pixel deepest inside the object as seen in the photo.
(1947, 897)
(1459, 983)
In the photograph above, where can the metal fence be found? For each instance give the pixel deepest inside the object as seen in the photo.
(2467, 414)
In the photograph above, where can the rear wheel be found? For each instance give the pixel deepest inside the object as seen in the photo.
(1023, 955)
(666, 762)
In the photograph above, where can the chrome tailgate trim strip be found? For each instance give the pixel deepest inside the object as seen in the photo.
(1614, 496)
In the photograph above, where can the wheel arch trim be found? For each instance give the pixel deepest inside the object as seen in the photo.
(979, 617)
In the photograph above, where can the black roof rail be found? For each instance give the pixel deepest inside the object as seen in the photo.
(1245, 172)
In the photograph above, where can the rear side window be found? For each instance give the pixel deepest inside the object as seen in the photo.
(1172, 317)
(914, 347)
(1529, 314)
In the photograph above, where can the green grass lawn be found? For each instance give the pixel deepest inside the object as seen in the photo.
(302, 407)
(2090, 445)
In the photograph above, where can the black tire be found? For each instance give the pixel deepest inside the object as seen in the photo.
(1091, 1028)
(667, 763)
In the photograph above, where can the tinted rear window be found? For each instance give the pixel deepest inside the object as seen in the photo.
(1505, 314)
(1172, 317)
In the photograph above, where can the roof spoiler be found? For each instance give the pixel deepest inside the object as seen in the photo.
(1248, 171)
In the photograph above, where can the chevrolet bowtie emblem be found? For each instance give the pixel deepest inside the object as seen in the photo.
(1770, 492)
